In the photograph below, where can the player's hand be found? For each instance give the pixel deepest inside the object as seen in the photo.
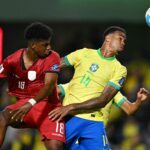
(142, 94)
(18, 114)
(58, 113)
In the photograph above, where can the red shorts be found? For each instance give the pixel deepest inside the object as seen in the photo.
(37, 117)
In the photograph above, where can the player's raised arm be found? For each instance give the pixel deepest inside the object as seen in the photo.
(130, 108)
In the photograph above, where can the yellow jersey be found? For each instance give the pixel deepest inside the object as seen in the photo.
(92, 73)
(105, 112)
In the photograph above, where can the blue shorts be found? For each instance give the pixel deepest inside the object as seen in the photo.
(90, 135)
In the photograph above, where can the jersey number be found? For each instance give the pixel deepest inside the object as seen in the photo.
(21, 85)
(86, 79)
(105, 140)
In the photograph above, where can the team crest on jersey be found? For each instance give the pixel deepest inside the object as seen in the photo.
(55, 67)
(1, 68)
(94, 67)
(31, 75)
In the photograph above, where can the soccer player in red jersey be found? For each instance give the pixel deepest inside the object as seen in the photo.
(32, 74)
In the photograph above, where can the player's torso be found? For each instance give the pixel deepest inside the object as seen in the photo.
(26, 82)
(92, 74)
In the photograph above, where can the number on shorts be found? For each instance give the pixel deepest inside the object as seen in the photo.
(60, 128)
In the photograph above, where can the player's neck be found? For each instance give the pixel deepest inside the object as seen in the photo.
(30, 55)
(107, 52)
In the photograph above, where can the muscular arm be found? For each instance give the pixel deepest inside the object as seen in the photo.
(130, 108)
(108, 93)
(50, 82)
(95, 103)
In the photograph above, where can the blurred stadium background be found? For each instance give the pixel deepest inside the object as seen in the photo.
(77, 24)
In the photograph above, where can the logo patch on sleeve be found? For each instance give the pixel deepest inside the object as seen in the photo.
(55, 67)
(1, 68)
(122, 80)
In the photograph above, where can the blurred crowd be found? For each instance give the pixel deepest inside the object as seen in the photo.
(124, 132)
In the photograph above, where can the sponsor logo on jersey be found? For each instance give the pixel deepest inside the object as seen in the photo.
(122, 80)
(94, 67)
(55, 67)
(31, 75)
(1, 68)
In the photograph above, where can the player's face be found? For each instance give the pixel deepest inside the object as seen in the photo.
(117, 41)
(42, 48)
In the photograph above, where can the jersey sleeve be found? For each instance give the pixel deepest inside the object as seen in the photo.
(52, 64)
(73, 58)
(4, 68)
(63, 88)
(118, 78)
(119, 99)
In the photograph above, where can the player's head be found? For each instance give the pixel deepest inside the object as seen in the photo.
(115, 36)
(38, 36)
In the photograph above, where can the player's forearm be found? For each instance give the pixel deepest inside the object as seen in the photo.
(91, 104)
(44, 92)
(95, 103)
(130, 108)
(88, 105)
(133, 107)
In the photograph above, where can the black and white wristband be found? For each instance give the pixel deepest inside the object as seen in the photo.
(32, 101)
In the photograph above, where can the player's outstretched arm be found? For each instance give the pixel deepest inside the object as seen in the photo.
(108, 93)
(130, 108)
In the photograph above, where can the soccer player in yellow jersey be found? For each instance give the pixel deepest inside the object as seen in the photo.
(98, 77)
(119, 100)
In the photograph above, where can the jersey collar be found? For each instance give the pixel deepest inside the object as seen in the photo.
(106, 58)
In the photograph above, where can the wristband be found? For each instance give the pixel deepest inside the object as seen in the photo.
(32, 101)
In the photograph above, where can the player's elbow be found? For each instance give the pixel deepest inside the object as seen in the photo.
(102, 104)
(130, 112)
(103, 101)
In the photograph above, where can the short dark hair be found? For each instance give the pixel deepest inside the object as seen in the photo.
(38, 31)
(112, 29)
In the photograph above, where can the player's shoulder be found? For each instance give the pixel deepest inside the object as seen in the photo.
(120, 66)
(118, 63)
(52, 58)
(15, 55)
(53, 54)
(87, 50)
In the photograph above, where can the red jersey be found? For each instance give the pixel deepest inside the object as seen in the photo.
(26, 83)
